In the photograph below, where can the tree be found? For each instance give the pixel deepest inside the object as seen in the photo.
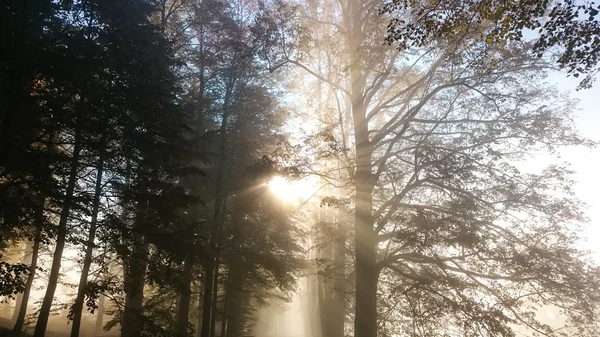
(570, 25)
(442, 215)
(25, 155)
(107, 157)
(231, 94)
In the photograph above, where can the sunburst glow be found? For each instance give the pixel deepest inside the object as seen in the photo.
(291, 190)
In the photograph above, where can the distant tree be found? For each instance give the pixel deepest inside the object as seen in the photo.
(572, 26)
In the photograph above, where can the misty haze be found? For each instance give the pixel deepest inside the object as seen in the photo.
(299, 168)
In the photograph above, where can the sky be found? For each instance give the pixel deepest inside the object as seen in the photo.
(586, 162)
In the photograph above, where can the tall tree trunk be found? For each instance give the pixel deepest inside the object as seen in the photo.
(39, 219)
(314, 316)
(212, 265)
(234, 287)
(234, 298)
(100, 315)
(224, 316)
(183, 311)
(207, 301)
(61, 237)
(18, 302)
(215, 295)
(338, 305)
(365, 239)
(193, 314)
(132, 323)
(27, 259)
(200, 308)
(235, 317)
(87, 261)
(365, 324)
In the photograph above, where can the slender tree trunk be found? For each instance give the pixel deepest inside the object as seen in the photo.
(338, 305)
(207, 300)
(215, 302)
(234, 299)
(100, 315)
(19, 300)
(212, 265)
(235, 311)
(232, 314)
(200, 308)
(61, 237)
(324, 280)
(87, 261)
(314, 316)
(27, 259)
(225, 315)
(20, 319)
(132, 323)
(184, 299)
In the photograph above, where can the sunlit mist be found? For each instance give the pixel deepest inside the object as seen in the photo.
(290, 190)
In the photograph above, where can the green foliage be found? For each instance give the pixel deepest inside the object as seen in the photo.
(570, 25)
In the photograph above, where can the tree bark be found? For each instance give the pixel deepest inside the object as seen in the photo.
(20, 319)
(100, 315)
(232, 312)
(27, 259)
(235, 302)
(87, 261)
(365, 240)
(215, 296)
(61, 237)
(185, 296)
(225, 314)
(200, 308)
(338, 305)
(132, 323)
(324, 289)
(365, 324)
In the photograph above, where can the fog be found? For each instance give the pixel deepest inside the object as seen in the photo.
(299, 168)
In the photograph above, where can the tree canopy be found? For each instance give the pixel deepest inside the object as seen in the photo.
(569, 29)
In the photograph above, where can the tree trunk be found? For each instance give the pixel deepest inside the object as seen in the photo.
(213, 260)
(234, 286)
(87, 261)
(234, 300)
(100, 315)
(207, 303)
(365, 324)
(338, 305)
(132, 323)
(215, 302)
(183, 311)
(200, 308)
(212, 265)
(20, 319)
(27, 259)
(61, 237)
(365, 239)
(225, 314)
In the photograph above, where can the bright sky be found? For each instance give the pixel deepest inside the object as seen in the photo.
(585, 161)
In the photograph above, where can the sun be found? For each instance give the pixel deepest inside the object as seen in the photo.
(291, 190)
